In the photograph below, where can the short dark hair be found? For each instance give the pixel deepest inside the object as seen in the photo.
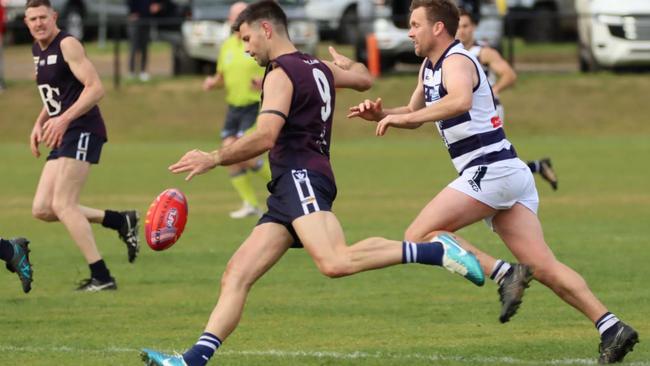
(472, 16)
(444, 11)
(264, 9)
(37, 3)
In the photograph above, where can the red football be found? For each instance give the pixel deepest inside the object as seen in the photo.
(166, 219)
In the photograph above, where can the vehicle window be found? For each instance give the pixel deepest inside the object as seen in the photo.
(229, 2)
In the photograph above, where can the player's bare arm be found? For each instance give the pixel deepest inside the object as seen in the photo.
(374, 111)
(84, 71)
(459, 77)
(347, 73)
(278, 91)
(506, 76)
(36, 136)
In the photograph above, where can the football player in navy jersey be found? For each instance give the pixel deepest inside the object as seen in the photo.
(493, 184)
(501, 76)
(71, 124)
(294, 123)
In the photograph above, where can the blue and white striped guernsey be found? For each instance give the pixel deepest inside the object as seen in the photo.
(475, 137)
(475, 50)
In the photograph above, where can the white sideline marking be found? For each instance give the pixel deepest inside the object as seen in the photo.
(335, 355)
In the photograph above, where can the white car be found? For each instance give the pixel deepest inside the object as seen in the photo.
(390, 28)
(613, 34)
(340, 17)
(203, 34)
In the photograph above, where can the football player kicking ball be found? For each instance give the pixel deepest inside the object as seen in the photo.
(71, 125)
(15, 253)
(494, 185)
(295, 125)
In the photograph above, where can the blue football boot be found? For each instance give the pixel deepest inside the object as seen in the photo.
(155, 358)
(19, 263)
(458, 260)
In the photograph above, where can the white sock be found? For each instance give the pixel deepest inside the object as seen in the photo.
(499, 271)
(605, 322)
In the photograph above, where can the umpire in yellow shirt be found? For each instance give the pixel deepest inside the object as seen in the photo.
(242, 78)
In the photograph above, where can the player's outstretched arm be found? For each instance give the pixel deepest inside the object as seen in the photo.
(74, 54)
(459, 78)
(347, 73)
(374, 111)
(278, 91)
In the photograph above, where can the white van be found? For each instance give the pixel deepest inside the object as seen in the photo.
(613, 34)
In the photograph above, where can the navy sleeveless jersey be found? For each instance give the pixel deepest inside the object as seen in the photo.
(304, 141)
(59, 88)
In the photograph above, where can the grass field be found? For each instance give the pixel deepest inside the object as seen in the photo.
(595, 129)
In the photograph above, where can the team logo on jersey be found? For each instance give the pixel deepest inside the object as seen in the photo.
(49, 95)
(428, 77)
(496, 122)
(41, 62)
(431, 93)
(51, 59)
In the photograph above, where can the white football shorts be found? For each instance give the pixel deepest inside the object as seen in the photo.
(499, 185)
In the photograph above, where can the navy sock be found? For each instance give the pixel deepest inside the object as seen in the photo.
(203, 350)
(533, 165)
(99, 271)
(6, 250)
(113, 220)
(423, 253)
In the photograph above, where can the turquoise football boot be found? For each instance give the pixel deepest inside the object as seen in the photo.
(458, 260)
(19, 263)
(155, 358)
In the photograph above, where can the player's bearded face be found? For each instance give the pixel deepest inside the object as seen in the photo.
(254, 42)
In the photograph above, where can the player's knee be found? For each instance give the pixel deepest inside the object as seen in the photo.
(233, 279)
(333, 268)
(43, 213)
(59, 207)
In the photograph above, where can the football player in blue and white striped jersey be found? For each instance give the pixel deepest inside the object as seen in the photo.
(493, 184)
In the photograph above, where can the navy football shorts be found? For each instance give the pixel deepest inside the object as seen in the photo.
(239, 119)
(297, 193)
(80, 145)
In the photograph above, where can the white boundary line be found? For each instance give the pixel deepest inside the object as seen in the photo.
(334, 355)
